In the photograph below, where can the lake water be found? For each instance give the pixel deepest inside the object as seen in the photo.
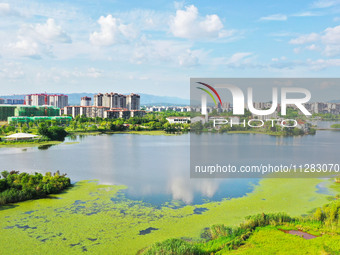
(156, 168)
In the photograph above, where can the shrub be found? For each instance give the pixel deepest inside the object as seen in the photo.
(53, 133)
(15, 187)
(173, 246)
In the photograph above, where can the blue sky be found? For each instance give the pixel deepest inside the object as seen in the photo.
(155, 47)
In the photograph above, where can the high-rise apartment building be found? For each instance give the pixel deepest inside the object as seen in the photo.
(133, 101)
(98, 100)
(58, 101)
(115, 100)
(85, 101)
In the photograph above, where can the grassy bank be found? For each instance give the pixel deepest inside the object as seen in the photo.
(32, 143)
(265, 234)
(335, 126)
(151, 132)
(91, 217)
(270, 240)
(142, 132)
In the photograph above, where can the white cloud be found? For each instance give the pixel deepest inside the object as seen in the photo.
(331, 40)
(275, 17)
(188, 59)
(306, 14)
(325, 3)
(6, 10)
(94, 73)
(331, 50)
(165, 51)
(237, 57)
(50, 32)
(323, 63)
(144, 20)
(25, 47)
(305, 39)
(328, 40)
(178, 5)
(36, 40)
(188, 24)
(90, 73)
(60, 74)
(112, 31)
(11, 71)
(312, 47)
(239, 60)
(331, 35)
(297, 50)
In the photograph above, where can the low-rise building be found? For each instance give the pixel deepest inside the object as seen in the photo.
(116, 113)
(6, 111)
(86, 111)
(137, 113)
(178, 120)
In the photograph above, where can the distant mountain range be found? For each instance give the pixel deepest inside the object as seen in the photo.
(146, 99)
(334, 101)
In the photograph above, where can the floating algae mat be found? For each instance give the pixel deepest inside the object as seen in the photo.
(94, 218)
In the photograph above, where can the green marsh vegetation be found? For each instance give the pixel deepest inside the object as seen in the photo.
(47, 130)
(263, 234)
(52, 130)
(28, 143)
(98, 218)
(16, 187)
(150, 122)
(335, 126)
(326, 116)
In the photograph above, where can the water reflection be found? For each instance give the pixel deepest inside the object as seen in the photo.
(155, 169)
(184, 190)
(45, 147)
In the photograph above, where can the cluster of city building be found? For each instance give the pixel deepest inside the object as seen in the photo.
(333, 108)
(168, 108)
(109, 105)
(115, 105)
(11, 101)
(58, 101)
(316, 107)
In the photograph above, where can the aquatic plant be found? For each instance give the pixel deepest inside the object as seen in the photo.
(91, 217)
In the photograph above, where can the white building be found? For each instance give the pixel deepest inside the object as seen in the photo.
(176, 120)
(58, 101)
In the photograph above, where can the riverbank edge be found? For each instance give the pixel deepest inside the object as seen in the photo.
(146, 132)
(28, 144)
(37, 143)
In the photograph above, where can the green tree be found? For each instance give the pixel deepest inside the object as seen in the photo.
(318, 215)
(53, 133)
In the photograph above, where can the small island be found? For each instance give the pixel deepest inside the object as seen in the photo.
(335, 126)
(16, 187)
